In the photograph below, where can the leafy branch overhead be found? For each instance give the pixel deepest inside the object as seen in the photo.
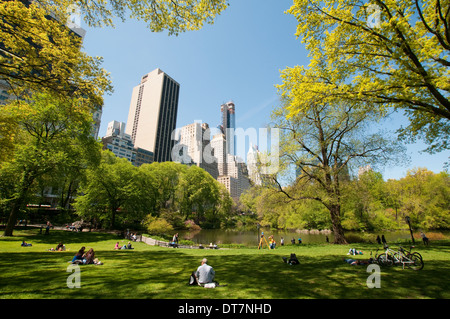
(389, 53)
(38, 52)
(175, 16)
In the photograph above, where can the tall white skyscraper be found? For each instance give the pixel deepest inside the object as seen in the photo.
(194, 147)
(153, 114)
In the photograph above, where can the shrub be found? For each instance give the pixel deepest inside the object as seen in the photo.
(158, 226)
(191, 225)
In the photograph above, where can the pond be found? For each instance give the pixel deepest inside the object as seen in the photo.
(252, 237)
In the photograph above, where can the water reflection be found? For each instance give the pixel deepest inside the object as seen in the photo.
(252, 237)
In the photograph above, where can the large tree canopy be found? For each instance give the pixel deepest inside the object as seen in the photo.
(175, 16)
(391, 53)
(47, 133)
(38, 51)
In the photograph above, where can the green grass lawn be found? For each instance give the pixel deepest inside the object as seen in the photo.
(246, 273)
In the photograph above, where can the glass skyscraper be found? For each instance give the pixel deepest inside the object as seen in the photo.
(228, 126)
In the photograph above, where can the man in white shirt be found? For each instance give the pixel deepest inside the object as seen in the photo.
(205, 273)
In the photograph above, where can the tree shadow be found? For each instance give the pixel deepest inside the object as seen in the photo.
(164, 273)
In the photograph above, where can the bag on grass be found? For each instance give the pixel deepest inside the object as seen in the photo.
(193, 279)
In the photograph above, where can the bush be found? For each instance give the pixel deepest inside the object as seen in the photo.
(191, 225)
(355, 238)
(158, 226)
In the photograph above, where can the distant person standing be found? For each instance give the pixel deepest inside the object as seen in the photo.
(378, 240)
(383, 240)
(424, 238)
(272, 242)
(47, 228)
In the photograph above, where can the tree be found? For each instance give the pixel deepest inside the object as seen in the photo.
(365, 203)
(39, 53)
(197, 192)
(424, 198)
(173, 15)
(46, 132)
(109, 189)
(390, 53)
(167, 176)
(325, 138)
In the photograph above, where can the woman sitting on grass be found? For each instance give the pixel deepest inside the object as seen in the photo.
(88, 258)
(59, 247)
(78, 258)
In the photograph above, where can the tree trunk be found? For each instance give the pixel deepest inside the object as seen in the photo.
(113, 217)
(13, 217)
(339, 238)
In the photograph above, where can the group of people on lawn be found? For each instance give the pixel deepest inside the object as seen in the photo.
(86, 258)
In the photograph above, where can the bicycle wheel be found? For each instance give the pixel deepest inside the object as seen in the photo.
(385, 260)
(417, 261)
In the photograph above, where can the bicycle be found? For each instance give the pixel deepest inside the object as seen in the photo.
(392, 257)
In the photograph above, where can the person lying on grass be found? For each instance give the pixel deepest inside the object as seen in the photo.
(358, 262)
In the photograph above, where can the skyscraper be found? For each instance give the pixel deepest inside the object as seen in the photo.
(118, 142)
(228, 126)
(194, 144)
(153, 114)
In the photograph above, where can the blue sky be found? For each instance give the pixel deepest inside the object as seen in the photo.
(237, 58)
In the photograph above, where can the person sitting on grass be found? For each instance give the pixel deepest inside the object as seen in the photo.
(25, 244)
(292, 260)
(353, 251)
(205, 273)
(128, 246)
(88, 258)
(78, 258)
(59, 247)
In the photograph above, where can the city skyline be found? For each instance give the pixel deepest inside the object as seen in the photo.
(237, 58)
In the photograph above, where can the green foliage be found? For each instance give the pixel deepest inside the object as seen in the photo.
(368, 204)
(42, 54)
(117, 193)
(49, 134)
(108, 190)
(374, 204)
(275, 211)
(175, 16)
(157, 226)
(400, 60)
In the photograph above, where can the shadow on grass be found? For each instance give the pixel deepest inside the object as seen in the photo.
(31, 234)
(162, 273)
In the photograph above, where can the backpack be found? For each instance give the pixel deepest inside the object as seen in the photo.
(193, 279)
